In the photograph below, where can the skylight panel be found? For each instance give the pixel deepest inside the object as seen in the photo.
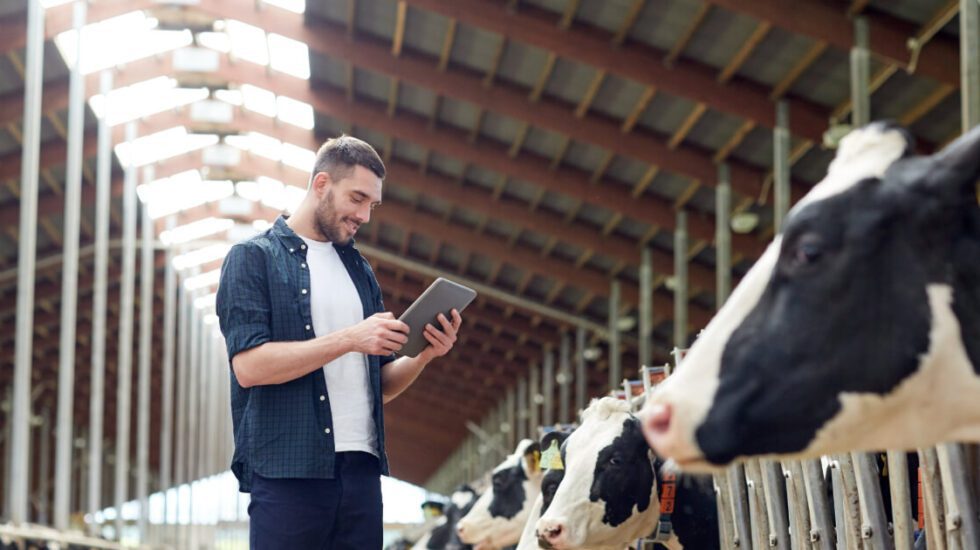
(144, 99)
(206, 302)
(233, 97)
(289, 56)
(204, 280)
(162, 145)
(295, 6)
(247, 42)
(295, 112)
(201, 256)
(260, 100)
(101, 41)
(218, 41)
(195, 230)
(185, 190)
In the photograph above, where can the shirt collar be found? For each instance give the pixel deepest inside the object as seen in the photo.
(290, 239)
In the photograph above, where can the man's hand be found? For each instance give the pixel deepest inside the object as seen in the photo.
(379, 334)
(441, 341)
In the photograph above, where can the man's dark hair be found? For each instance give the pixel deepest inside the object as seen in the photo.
(339, 155)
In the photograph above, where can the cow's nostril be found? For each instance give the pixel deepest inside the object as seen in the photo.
(658, 418)
(553, 532)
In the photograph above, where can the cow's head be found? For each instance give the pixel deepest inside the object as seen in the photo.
(443, 535)
(498, 516)
(833, 338)
(608, 494)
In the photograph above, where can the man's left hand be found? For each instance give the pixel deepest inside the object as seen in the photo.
(441, 341)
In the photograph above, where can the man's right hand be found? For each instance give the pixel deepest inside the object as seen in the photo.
(379, 334)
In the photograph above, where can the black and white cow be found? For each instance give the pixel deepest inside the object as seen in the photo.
(550, 480)
(443, 535)
(608, 493)
(857, 329)
(499, 515)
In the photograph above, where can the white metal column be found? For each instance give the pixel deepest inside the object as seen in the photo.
(680, 281)
(20, 441)
(167, 387)
(147, 271)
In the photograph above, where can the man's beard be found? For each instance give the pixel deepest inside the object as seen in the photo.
(327, 222)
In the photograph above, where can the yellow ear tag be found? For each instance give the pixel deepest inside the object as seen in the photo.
(551, 458)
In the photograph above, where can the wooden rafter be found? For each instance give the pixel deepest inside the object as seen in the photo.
(568, 16)
(927, 104)
(542, 81)
(638, 109)
(631, 16)
(398, 40)
(811, 55)
(760, 32)
(692, 27)
(447, 45)
(733, 141)
(590, 93)
(685, 128)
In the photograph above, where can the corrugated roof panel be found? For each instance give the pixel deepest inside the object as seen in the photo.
(371, 84)
(605, 14)
(328, 69)
(915, 11)
(543, 143)
(375, 138)
(756, 148)
(532, 239)
(942, 122)
(10, 80)
(377, 17)
(633, 229)
(333, 11)
(457, 113)
(482, 177)
(425, 30)
(625, 169)
(557, 202)
(594, 215)
(827, 81)
(522, 63)
(600, 263)
(521, 190)
(539, 287)
(480, 266)
(704, 200)
(328, 126)
(466, 217)
(450, 166)
(396, 193)
(569, 297)
(474, 47)
(774, 57)
(409, 151)
(570, 80)
(567, 251)
(510, 276)
(662, 22)
(390, 234)
(500, 228)
(418, 100)
(452, 255)
(584, 156)
(617, 96)
(420, 246)
(7, 142)
(668, 185)
(718, 37)
(899, 94)
(713, 130)
(666, 113)
(500, 128)
(812, 167)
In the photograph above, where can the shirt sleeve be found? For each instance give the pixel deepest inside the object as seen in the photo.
(242, 304)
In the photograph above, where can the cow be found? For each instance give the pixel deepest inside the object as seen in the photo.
(443, 535)
(857, 329)
(498, 516)
(608, 495)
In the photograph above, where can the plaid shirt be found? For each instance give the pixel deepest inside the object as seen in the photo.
(285, 430)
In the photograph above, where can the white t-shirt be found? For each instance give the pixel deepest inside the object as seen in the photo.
(336, 305)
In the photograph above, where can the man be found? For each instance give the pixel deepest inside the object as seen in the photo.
(311, 349)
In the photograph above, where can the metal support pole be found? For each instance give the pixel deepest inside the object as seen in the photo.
(579, 371)
(860, 74)
(850, 500)
(125, 365)
(898, 484)
(845, 540)
(185, 307)
(44, 467)
(548, 386)
(167, 397)
(740, 507)
(970, 63)
(69, 280)
(564, 378)
(798, 503)
(646, 308)
(510, 403)
(680, 281)
(757, 505)
(615, 364)
(723, 235)
(961, 517)
(103, 173)
(534, 401)
(780, 171)
(932, 493)
(143, 382)
(774, 485)
(20, 442)
(522, 410)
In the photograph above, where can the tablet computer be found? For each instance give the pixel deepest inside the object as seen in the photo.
(442, 296)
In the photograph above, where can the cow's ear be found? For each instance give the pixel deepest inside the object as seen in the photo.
(532, 459)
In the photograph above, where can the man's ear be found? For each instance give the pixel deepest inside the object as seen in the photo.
(320, 182)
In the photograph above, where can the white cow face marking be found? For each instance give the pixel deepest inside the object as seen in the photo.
(835, 313)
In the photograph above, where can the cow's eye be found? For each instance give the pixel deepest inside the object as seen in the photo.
(809, 250)
(614, 461)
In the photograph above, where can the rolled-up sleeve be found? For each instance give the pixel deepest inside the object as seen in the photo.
(242, 304)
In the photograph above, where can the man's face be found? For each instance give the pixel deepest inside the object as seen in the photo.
(346, 203)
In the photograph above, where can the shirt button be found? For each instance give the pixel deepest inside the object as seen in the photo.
(303, 291)
(323, 398)
(302, 246)
(303, 266)
(326, 430)
(307, 327)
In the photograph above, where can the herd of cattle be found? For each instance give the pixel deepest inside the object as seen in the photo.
(858, 329)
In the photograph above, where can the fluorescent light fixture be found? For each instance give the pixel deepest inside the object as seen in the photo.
(744, 222)
(204, 280)
(289, 56)
(143, 99)
(162, 145)
(295, 6)
(201, 256)
(101, 41)
(195, 230)
(205, 302)
(181, 191)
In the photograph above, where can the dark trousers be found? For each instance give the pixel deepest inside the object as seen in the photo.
(339, 513)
